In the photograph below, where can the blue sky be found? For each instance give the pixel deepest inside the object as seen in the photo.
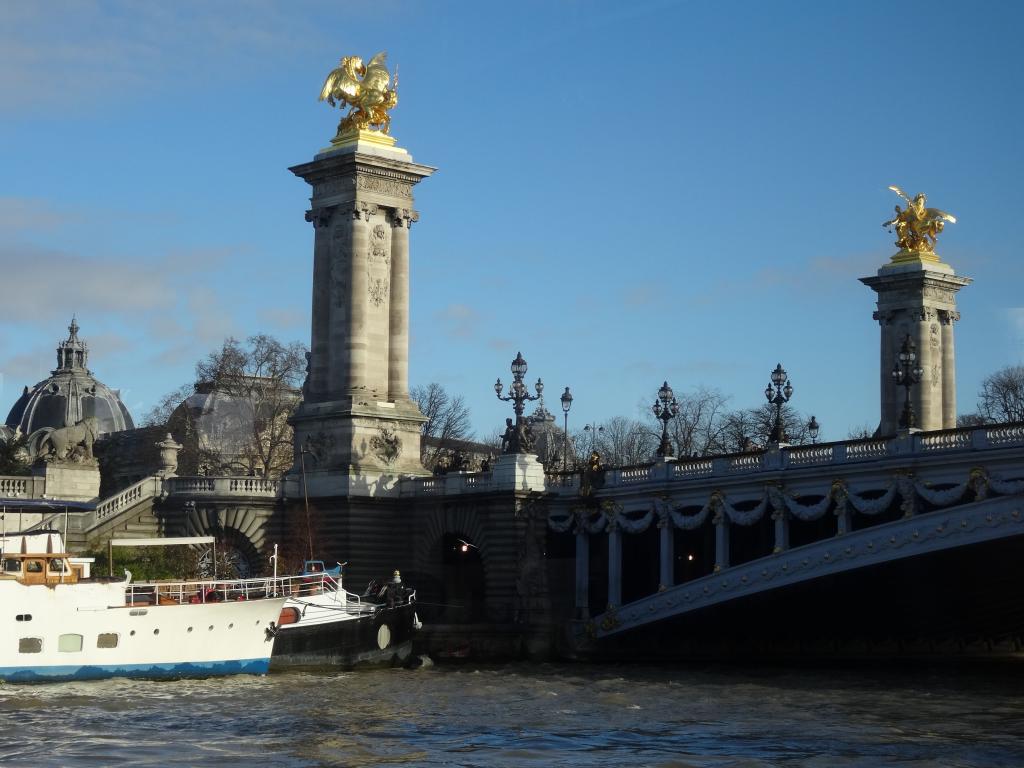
(627, 193)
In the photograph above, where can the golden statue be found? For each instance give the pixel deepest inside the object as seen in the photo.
(370, 97)
(917, 227)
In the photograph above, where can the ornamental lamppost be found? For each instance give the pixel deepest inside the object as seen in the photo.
(518, 441)
(906, 373)
(813, 427)
(566, 405)
(665, 408)
(778, 392)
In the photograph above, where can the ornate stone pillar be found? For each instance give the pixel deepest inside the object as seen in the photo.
(913, 296)
(666, 563)
(614, 566)
(582, 574)
(356, 428)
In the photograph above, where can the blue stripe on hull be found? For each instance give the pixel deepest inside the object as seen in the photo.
(99, 672)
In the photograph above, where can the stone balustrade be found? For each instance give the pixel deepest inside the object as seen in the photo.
(220, 487)
(827, 457)
(21, 487)
(147, 488)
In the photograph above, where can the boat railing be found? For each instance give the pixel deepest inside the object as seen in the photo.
(224, 590)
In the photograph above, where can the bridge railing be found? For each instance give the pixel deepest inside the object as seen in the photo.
(849, 452)
(21, 486)
(240, 486)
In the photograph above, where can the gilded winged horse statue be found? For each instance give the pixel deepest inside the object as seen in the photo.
(370, 97)
(917, 227)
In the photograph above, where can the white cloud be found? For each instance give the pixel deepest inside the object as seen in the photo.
(458, 321)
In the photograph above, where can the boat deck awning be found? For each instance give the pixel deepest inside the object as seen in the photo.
(45, 504)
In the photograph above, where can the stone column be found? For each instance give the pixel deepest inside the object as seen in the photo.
(913, 295)
(667, 553)
(946, 320)
(781, 518)
(582, 574)
(614, 566)
(843, 521)
(356, 343)
(721, 522)
(398, 360)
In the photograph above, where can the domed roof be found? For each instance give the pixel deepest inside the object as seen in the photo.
(71, 394)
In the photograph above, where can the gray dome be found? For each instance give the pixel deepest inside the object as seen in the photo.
(71, 394)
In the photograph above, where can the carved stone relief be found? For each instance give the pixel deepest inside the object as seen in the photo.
(335, 187)
(384, 186)
(378, 265)
(386, 445)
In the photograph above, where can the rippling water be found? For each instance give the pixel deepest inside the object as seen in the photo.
(528, 715)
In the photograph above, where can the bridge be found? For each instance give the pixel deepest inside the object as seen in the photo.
(664, 555)
(691, 550)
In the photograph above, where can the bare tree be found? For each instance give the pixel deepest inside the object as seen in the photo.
(699, 427)
(264, 376)
(625, 442)
(1002, 395)
(448, 420)
(751, 429)
(860, 432)
(255, 387)
(966, 420)
(161, 413)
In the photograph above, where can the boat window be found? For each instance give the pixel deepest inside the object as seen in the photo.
(30, 645)
(106, 640)
(56, 566)
(69, 643)
(33, 566)
(23, 617)
(11, 565)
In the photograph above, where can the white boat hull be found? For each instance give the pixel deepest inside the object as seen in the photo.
(85, 631)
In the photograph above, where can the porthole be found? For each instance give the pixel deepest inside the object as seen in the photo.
(156, 631)
(132, 633)
(231, 626)
(190, 629)
(210, 628)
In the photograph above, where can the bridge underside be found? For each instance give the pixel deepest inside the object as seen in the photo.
(964, 601)
(944, 583)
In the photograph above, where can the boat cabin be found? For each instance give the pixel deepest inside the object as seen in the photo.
(41, 568)
(37, 566)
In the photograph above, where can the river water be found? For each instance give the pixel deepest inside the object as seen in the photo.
(529, 715)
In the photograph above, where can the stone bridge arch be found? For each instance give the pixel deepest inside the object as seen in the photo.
(241, 532)
(442, 574)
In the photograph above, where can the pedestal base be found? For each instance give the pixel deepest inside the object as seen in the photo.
(518, 471)
(70, 482)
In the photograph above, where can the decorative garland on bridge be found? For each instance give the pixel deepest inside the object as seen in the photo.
(839, 497)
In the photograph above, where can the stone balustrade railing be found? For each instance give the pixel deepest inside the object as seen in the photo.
(21, 487)
(147, 488)
(850, 453)
(222, 486)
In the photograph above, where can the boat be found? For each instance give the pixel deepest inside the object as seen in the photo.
(61, 624)
(322, 624)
